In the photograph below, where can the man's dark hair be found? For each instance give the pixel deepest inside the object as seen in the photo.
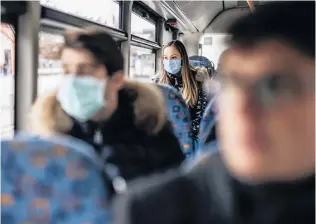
(100, 44)
(291, 22)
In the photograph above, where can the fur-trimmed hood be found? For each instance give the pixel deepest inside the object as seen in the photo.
(201, 74)
(209, 85)
(47, 116)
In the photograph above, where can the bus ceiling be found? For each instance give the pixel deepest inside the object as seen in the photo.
(203, 16)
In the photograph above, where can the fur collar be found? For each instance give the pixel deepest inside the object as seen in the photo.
(201, 74)
(47, 117)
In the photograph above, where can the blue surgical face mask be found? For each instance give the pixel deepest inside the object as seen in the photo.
(173, 66)
(81, 96)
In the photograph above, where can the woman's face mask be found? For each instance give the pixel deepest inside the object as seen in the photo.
(172, 66)
(82, 96)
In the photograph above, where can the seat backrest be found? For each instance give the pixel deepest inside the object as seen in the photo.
(201, 61)
(51, 181)
(207, 127)
(179, 115)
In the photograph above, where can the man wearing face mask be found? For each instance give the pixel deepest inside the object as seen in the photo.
(96, 104)
(178, 73)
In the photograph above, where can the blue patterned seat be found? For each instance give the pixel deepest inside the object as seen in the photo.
(201, 61)
(179, 115)
(208, 122)
(51, 181)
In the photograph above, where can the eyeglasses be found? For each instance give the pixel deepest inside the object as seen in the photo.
(269, 90)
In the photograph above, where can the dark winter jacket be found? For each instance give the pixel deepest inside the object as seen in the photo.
(137, 139)
(207, 193)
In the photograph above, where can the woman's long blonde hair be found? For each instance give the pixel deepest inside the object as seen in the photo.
(190, 88)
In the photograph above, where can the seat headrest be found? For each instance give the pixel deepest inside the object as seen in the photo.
(201, 61)
(58, 177)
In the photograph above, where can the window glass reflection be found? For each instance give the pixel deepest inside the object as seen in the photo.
(7, 77)
(142, 64)
(49, 66)
(105, 12)
(143, 28)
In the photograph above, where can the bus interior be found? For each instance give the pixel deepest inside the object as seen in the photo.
(31, 35)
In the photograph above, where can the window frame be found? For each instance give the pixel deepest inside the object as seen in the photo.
(141, 42)
(10, 13)
(70, 14)
(139, 8)
(59, 21)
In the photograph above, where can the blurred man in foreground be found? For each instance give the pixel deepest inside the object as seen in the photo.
(265, 171)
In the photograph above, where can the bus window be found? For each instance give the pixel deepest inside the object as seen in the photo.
(142, 64)
(212, 46)
(103, 12)
(143, 28)
(7, 78)
(49, 66)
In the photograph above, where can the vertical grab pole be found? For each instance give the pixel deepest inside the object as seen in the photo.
(251, 5)
(126, 25)
(28, 28)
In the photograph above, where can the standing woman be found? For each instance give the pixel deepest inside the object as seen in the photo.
(178, 73)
